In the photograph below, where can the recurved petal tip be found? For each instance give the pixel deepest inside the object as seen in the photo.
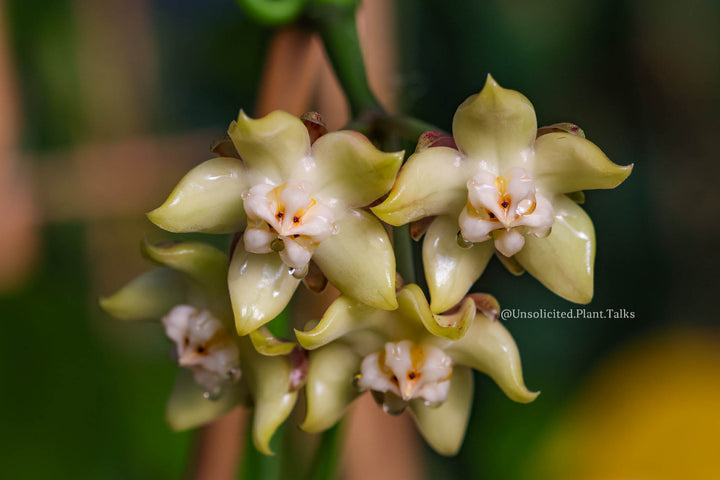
(490, 348)
(266, 343)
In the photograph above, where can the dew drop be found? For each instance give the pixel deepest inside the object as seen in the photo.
(462, 242)
(299, 273)
(542, 233)
(430, 404)
(213, 396)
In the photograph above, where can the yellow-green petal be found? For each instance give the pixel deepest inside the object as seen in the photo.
(272, 146)
(329, 388)
(351, 169)
(207, 199)
(261, 286)
(451, 270)
(344, 316)
(568, 163)
(414, 306)
(188, 408)
(267, 344)
(204, 264)
(432, 182)
(564, 260)
(269, 381)
(201, 262)
(444, 427)
(496, 127)
(490, 348)
(149, 296)
(358, 259)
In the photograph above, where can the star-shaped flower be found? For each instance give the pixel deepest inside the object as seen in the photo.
(294, 200)
(409, 358)
(219, 369)
(504, 188)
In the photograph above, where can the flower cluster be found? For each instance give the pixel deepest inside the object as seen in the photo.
(307, 205)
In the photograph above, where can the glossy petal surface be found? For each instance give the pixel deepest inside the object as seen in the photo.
(349, 167)
(345, 315)
(432, 182)
(149, 296)
(414, 308)
(207, 199)
(260, 287)
(496, 127)
(358, 259)
(271, 147)
(450, 270)
(490, 348)
(329, 389)
(267, 344)
(204, 264)
(568, 163)
(564, 260)
(444, 426)
(269, 381)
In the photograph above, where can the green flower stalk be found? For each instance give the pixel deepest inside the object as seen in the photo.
(295, 199)
(506, 188)
(409, 358)
(219, 369)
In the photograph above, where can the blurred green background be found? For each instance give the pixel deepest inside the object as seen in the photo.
(83, 396)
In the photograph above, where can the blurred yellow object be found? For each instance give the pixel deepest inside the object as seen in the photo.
(652, 412)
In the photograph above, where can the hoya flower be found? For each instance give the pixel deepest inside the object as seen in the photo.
(504, 189)
(203, 346)
(295, 198)
(219, 370)
(409, 358)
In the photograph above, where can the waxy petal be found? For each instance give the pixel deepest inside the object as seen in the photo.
(563, 261)
(432, 182)
(568, 163)
(149, 296)
(269, 381)
(267, 344)
(261, 285)
(329, 388)
(453, 326)
(187, 406)
(496, 127)
(358, 259)
(444, 426)
(451, 270)
(207, 199)
(273, 146)
(344, 316)
(202, 263)
(351, 169)
(490, 348)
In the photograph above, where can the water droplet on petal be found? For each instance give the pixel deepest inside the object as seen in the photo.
(299, 273)
(542, 232)
(462, 242)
